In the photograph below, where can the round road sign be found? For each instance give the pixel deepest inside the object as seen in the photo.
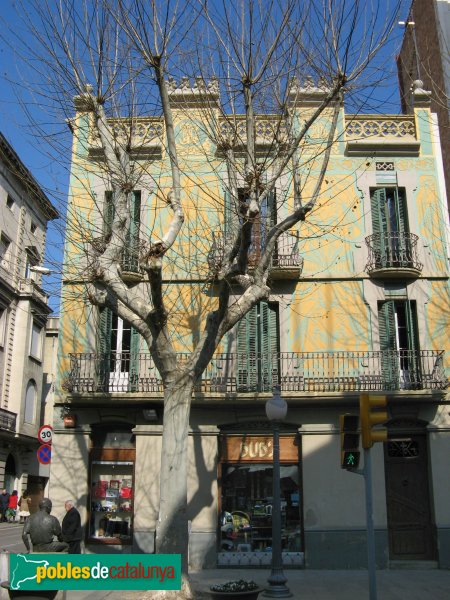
(44, 454)
(45, 434)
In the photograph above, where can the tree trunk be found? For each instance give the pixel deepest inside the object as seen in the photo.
(172, 526)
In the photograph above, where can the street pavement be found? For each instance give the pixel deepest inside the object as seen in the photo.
(305, 584)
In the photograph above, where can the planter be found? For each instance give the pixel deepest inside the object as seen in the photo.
(235, 594)
(249, 595)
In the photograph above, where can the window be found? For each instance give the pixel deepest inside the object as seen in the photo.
(3, 315)
(10, 203)
(400, 363)
(36, 341)
(391, 238)
(119, 345)
(261, 226)
(130, 257)
(5, 251)
(30, 402)
(257, 346)
(33, 227)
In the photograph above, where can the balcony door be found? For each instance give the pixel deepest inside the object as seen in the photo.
(390, 227)
(257, 347)
(119, 344)
(399, 344)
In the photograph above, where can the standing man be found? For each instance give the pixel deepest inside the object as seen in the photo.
(4, 502)
(71, 527)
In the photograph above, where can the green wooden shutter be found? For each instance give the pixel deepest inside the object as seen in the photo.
(268, 340)
(130, 261)
(413, 345)
(227, 223)
(108, 213)
(104, 360)
(247, 349)
(388, 346)
(379, 224)
(404, 250)
(135, 342)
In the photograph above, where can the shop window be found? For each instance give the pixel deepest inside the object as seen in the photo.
(111, 486)
(246, 495)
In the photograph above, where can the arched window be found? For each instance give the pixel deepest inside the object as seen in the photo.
(30, 402)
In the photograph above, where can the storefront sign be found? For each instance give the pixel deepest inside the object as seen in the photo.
(257, 449)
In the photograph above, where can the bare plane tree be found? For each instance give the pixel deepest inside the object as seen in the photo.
(119, 59)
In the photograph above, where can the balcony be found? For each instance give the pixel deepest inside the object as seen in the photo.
(7, 420)
(302, 372)
(388, 134)
(393, 255)
(286, 262)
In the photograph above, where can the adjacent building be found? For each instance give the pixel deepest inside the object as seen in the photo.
(25, 211)
(359, 303)
(425, 55)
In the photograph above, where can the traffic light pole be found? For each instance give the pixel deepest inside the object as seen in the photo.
(371, 564)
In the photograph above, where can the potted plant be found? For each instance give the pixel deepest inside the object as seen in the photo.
(237, 590)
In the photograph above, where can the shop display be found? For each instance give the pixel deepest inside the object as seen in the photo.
(111, 501)
(246, 518)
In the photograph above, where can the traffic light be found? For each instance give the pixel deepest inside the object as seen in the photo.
(370, 417)
(349, 441)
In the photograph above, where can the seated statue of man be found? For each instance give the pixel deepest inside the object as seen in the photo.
(41, 527)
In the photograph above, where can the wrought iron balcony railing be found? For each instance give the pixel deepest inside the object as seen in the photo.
(393, 251)
(250, 373)
(7, 420)
(285, 257)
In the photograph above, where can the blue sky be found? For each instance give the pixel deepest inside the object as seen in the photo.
(51, 174)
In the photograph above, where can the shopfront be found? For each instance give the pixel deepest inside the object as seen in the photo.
(245, 510)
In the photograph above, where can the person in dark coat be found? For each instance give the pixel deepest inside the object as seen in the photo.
(4, 502)
(71, 527)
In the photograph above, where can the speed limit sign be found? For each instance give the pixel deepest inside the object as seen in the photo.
(45, 434)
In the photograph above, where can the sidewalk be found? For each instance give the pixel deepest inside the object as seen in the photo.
(399, 584)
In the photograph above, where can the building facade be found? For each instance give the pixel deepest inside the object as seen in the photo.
(425, 55)
(24, 212)
(362, 307)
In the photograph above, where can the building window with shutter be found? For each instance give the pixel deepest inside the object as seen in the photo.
(257, 347)
(262, 224)
(130, 256)
(391, 239)
(400, 364)
(119, 345)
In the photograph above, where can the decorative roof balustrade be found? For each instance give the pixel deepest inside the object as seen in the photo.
(143, 134)
(269, 130)
(231, 373)
(394, 134)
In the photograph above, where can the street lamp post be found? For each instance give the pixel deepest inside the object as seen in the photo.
(276, 409)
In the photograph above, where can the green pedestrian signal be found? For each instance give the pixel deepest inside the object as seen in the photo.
(349, 427)
(351, 460)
